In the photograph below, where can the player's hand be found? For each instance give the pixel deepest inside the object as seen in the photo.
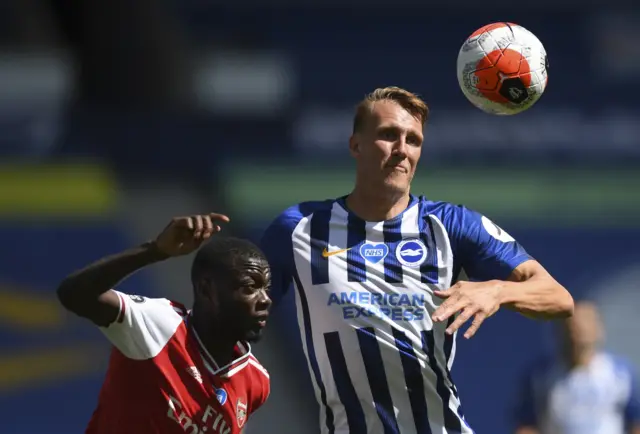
(184, 235)
(477, 300)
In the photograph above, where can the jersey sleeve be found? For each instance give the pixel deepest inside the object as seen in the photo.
(277, 245)
(485, 250)
(144, 325)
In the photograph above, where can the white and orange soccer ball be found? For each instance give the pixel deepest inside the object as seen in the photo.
(502, 68)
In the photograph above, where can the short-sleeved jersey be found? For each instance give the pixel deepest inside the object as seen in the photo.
(601, 397)
(364, 297)
(161, 379)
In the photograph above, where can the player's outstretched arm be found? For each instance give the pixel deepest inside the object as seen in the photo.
(501, 274)
(87, 292)
(529, 289)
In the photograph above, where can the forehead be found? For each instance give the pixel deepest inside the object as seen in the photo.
(251, 268)
(392, 114)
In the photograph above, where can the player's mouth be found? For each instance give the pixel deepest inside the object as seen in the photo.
(398, 169)
(261, 320)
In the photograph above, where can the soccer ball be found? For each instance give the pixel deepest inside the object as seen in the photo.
(502, 68)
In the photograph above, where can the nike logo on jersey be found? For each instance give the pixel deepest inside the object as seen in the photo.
(326, 253)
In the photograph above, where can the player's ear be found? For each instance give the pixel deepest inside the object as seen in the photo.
(203, 289)
(354, 145)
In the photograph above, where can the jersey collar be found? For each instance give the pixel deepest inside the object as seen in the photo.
(342, 201)
(242, 351)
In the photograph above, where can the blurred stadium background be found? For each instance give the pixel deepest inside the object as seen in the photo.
(115, 116)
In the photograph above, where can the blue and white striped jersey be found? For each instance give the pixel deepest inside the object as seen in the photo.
(364, 297)
(599, 398)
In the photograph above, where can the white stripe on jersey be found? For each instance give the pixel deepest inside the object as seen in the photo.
(446, 279)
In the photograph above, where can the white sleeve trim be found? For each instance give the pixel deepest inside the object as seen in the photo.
(144, 326)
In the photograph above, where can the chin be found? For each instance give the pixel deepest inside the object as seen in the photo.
(253, 336)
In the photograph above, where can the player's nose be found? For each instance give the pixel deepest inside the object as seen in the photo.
(401, 147)
(264, 302)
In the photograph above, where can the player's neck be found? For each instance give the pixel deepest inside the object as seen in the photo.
(220, 348)
(377, 206)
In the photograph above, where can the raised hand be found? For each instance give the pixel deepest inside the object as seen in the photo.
(184, 235)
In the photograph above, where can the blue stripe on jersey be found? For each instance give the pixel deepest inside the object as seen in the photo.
(311, 353)
(356, 234)
(451, 421)
(374, 368)
(392, 236)
(319, 233)
(344, 385)
(429, 269)
(414, 382)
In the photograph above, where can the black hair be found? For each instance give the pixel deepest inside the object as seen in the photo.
(223, 256)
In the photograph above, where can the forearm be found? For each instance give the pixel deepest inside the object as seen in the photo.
(537, 297)
(101, 276)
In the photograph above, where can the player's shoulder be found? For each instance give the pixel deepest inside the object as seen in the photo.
(305, 209)
(258, 368)
(255, 378)
(447, 212)
(290, 217)
(428, 206)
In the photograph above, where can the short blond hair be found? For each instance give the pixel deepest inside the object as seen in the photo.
(405, 99)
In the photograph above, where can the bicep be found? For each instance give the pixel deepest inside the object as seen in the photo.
(102, 310)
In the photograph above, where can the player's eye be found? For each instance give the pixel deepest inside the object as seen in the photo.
(388, 134)
(254, 287)
(414, 140)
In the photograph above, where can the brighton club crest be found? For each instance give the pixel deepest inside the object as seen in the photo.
(241, 412)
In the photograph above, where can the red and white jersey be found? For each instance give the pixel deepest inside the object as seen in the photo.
(161, 379)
